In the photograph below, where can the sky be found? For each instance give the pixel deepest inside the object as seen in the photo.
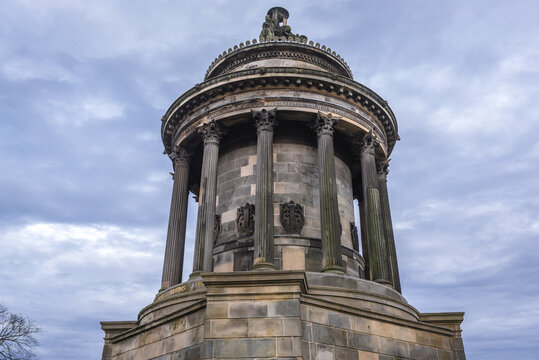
(85, 189)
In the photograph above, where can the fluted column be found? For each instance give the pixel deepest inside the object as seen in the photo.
(383, 169)
(265, 122)
(173, 264)
(364, 238)
(330, 224)
(378, 261)
(211, 134)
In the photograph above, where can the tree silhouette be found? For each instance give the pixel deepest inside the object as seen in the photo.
(16, 336)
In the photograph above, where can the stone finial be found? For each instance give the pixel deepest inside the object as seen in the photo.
(324, 124)
(180, 156)
(211, 132)
(369, 143)
(265, 120)
(382, 169)
(275, 27)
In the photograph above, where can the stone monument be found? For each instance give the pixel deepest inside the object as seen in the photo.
(276, 143)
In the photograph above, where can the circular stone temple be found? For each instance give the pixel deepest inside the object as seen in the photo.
(276, 144)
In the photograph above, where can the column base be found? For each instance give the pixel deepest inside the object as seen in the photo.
(335, 269)
(264, 266)
(384, 282)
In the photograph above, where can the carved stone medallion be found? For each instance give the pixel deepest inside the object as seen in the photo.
(355, 236)
(245, 220)
(292, 217)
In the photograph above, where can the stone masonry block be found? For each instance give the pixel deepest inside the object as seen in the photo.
(445, 355)
(306, 330)
(346, 354)
(317, 315)
(292, 327)
(324, 352)
(418, 352)
(283, 308)
(293, 258)
(224, 328)
(285, 347)
(394, 347)
(265, 327)
(248, 309)
(363, 342)
(305, 346)
(339, 320)
(365, 355)
(329, 335)
(247, 348)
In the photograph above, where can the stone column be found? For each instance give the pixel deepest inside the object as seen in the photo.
(383, 169)
(330, 224)
(265, 122)
(211, 134)
(378, 261)
(173, 264)
(364, 238)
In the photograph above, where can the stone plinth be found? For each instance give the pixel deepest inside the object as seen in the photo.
(283, 315)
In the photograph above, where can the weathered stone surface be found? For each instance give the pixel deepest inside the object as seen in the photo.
(248, 309)
(236, 313)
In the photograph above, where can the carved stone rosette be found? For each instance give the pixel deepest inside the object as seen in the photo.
(324, 124)
(245, 220)
(292, 217)
(211, 132)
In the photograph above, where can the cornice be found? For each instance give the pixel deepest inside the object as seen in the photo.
(279, 77)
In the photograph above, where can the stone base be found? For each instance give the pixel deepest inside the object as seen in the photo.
(285, 315)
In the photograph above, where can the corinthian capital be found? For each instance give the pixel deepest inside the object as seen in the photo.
(382, 169)
(180, 156)
(264, 120)
(211, 132)
(368, 143)
(324, 124)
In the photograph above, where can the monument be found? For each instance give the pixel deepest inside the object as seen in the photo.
(276, 143)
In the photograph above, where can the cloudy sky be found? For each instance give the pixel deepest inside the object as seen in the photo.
(85, 190)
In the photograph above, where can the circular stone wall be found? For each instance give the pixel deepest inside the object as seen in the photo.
(295, 178)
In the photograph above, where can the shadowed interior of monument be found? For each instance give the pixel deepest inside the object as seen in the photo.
(276, 144)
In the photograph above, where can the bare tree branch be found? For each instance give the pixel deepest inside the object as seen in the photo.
(16, 336)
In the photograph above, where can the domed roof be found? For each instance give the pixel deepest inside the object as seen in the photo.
(277, 46)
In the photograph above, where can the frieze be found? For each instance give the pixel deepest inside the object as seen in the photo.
(357, 90)
(367, 107)
(245, 220)
(186, 127)
(347, 107)
(292, 217)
